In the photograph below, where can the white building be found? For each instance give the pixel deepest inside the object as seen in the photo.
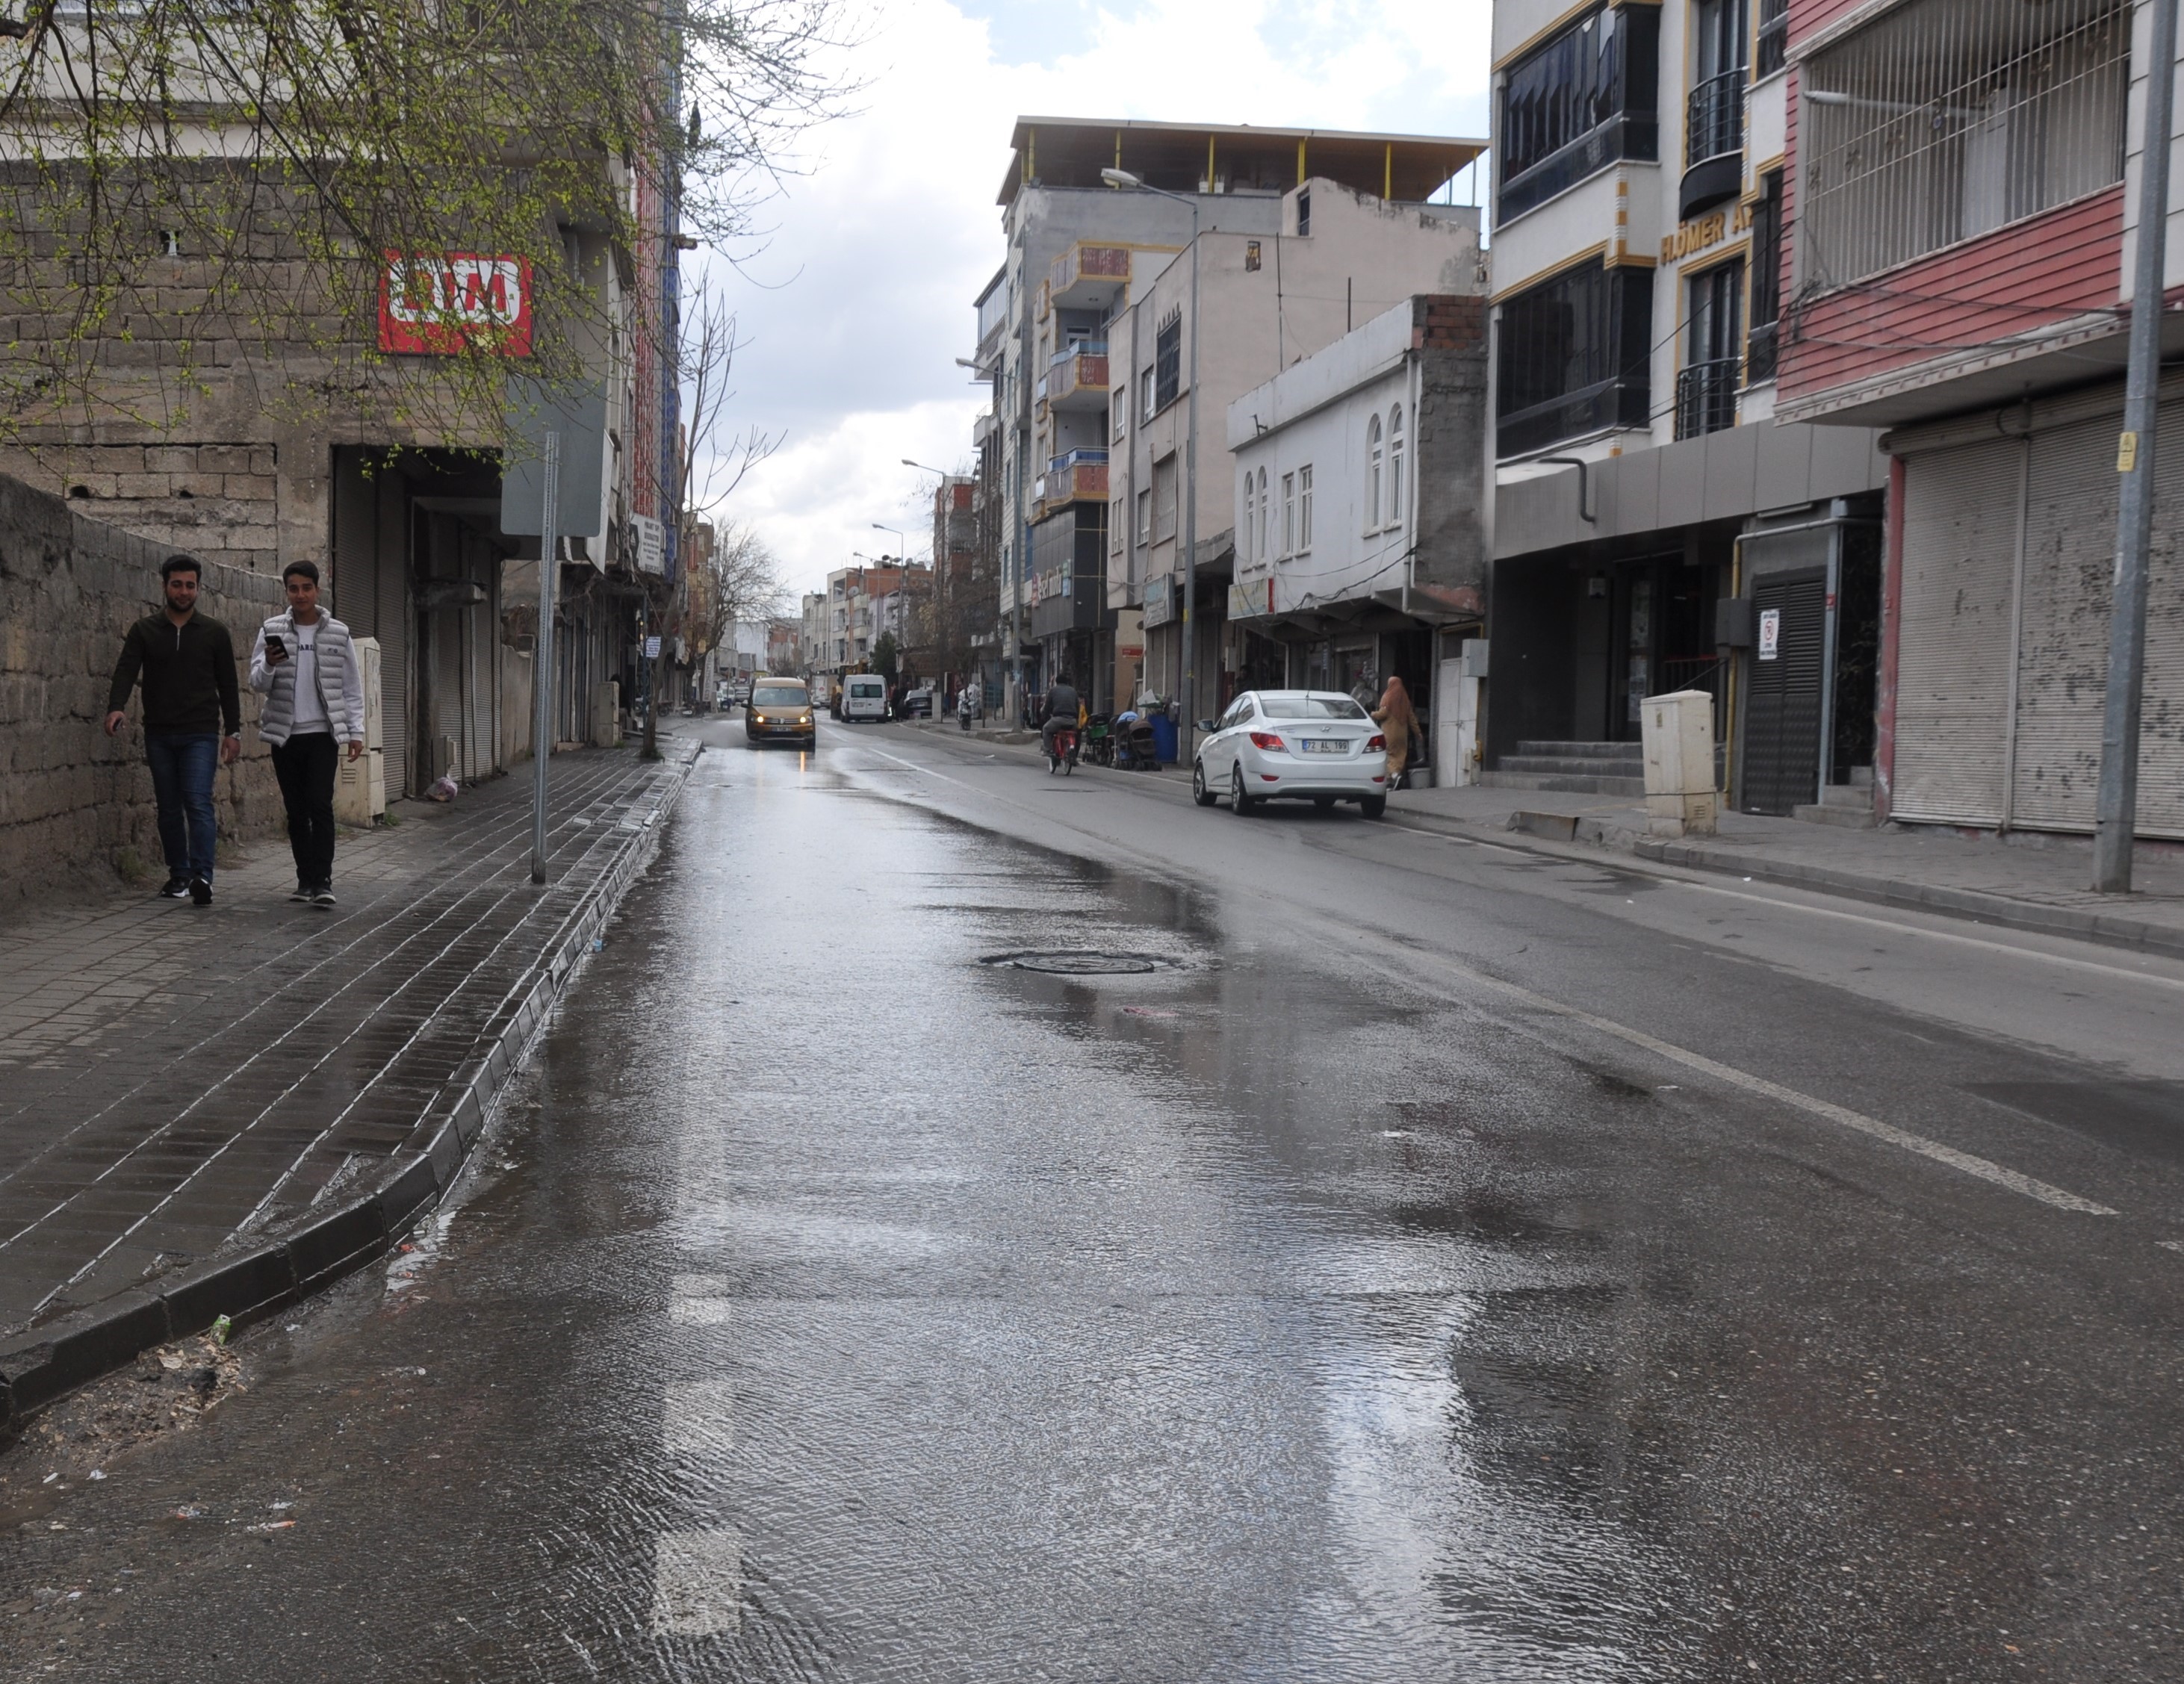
(1359, 502)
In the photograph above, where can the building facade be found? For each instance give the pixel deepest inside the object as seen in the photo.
(1960, 267)
(1359, 512)
(1650, 511)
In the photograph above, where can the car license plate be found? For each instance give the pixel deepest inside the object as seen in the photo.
(1326, 745)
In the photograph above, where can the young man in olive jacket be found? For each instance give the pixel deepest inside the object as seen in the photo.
(193, 721)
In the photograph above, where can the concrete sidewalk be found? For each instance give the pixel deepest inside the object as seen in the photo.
(209, 1111)
(2028, 882)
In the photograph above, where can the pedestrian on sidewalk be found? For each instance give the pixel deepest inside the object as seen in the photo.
(1398, 723)
(192, 721)
(304, 664)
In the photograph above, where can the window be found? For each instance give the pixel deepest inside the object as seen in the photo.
(1376, 464)
(1288, 514)
(1168, 361)
(1706, 388)
(1145, 517)
(1572, 357)
(1145, 405)
(1395, 466)
(1304, 510)
(1164, 498)
(1774, 37)
(1304, 216)
(1264, 514)
(1244, 520)
(1121, 404)
(1766, 280)
(1579, 103)
(1941, 122)
(1118, 509)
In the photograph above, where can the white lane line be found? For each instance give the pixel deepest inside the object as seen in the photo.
(700, 1418)
(1968, 1163)
(2170, 1245)
(1728, 1074)
(697, 1583)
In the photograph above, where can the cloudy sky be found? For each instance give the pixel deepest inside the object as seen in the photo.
(856, 309)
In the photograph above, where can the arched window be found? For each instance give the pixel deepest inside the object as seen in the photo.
(1375, 465)
(1263, 515)
(1395, 466)
(1244, 518)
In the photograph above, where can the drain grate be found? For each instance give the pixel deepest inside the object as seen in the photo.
(1076, 962)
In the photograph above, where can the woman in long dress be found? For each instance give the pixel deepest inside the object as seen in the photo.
(1399, 721)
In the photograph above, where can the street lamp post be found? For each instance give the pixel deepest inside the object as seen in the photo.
(1187, 727)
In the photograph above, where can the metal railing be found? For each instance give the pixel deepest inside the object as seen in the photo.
(1706, 398)
(1713, 118)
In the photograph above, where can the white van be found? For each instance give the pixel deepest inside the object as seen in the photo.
(864, 697)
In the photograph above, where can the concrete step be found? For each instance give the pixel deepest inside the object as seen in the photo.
(1573, 766)
(1566, 785)
(1848, 796)
(1633, 752)
(1844, 818)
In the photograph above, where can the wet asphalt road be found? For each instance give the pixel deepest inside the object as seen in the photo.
(1449, 1262)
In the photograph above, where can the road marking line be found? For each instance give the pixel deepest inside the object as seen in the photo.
(701, 1417)
(2170, 1245)
(697, 1584)
(1968, 1163)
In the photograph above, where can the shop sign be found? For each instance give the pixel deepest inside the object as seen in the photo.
(459, 301)
(1704, 233)
(1770, 634)
(651, 544)
(1159, 599)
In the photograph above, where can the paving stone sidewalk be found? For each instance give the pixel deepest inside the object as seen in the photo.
(180, 1084)
(2028, 882)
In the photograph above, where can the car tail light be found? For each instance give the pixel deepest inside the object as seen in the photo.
(1265, 739)
(1376, 741)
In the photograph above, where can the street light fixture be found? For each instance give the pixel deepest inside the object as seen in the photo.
(901, 543)
(1187, 726)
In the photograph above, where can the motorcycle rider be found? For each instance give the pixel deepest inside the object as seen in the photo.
(1061, 711)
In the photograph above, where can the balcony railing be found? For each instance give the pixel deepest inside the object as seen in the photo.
(1077, 378)
(1076, 476)
(1713, 118)
(1087, 275)
(1706, 398)
(1600, 408)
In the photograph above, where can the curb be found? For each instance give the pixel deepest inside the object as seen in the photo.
(1569, 838)
(247, 1288)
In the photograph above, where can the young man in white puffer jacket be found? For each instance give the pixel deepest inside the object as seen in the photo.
(306, 667)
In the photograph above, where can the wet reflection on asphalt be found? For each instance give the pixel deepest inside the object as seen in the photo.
(833, 1305)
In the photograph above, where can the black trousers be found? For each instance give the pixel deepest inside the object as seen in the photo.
(305, 767)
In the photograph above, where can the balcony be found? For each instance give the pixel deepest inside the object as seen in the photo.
(1601, 407)
(1706, 398)
(1713, 143)
(1077, 378)
(1079, 476)
(1088, 277)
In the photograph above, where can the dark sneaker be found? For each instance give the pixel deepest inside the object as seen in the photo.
(176, 888)
(323, 895)
(200, 892)
(302, 892)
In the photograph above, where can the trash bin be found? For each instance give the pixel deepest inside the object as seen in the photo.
(1163, 739)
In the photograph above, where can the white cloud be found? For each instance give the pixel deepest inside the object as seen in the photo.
(857, 309)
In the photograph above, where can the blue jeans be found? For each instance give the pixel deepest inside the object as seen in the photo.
(182, 766)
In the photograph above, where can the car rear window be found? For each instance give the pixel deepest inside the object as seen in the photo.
(1310, 707)
(780, 696)
(865, 689)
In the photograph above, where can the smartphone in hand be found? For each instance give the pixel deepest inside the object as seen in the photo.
(275, 651)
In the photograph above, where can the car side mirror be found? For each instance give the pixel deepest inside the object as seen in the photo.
(1208, 724)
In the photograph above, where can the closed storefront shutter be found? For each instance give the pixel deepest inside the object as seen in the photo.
(1960, 517)
(1782, 717)
(2062, 682)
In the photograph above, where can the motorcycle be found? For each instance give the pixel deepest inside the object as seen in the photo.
(1061, 756)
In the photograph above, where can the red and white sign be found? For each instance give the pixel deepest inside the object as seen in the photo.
(460, 301)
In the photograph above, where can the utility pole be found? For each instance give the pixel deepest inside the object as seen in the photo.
(2115, 818)
(542, 661)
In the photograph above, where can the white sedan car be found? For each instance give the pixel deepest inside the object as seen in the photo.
(1292, 745)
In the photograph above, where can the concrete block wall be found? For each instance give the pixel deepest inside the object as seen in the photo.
(75, 802)
(1448, 333)
(216, 500)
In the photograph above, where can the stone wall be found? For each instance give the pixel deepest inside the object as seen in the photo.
(219, 501)
(76, 806)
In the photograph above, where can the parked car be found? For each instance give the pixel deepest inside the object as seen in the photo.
(780, 711)
(917, 704)
(864, 697)
(1292, 745)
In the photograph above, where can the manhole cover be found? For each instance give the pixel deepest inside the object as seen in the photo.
(1077, 963)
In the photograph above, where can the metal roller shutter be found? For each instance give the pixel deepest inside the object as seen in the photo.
(2062, 680)
(1782, 714)
(1954, 655)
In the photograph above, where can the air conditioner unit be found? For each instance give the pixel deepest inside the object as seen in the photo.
(360, 785)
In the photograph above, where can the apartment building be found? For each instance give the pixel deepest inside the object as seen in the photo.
(1643, 477)
(1080, 255)
(1961, 267)
(860, 605)
(1359, 514)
